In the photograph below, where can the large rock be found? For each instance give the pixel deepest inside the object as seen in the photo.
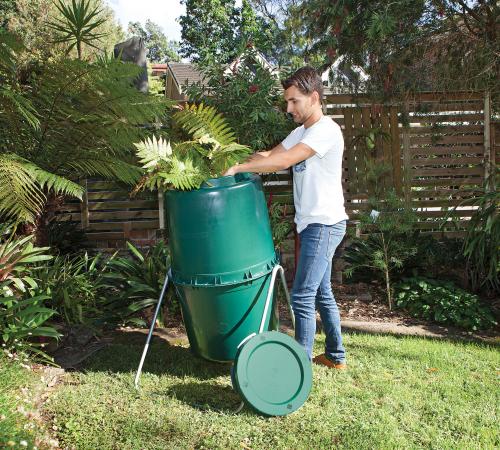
(133, 50)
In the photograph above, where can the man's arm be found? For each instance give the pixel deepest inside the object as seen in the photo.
(278, 149)
(275, 161)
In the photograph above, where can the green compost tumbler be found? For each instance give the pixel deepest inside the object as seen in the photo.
(222, 256)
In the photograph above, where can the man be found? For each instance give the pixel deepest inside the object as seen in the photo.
(314, 149)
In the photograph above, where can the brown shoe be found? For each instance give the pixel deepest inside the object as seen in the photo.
(323, 360)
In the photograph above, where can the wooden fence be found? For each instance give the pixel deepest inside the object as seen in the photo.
(110, 217)
(440, 149)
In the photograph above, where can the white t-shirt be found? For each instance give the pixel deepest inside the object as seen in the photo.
(317, 181)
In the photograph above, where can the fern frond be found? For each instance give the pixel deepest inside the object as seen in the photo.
(203, 123)
(184, 175)
(21, 104)
(107, 167)
(22, 184)
(229, 155)
(151, 151)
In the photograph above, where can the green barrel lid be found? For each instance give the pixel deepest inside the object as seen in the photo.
(273, 373)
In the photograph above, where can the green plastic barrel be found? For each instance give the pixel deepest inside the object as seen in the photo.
(222, 256)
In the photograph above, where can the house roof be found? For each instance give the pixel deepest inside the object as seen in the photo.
(184, 72)
(249, 58)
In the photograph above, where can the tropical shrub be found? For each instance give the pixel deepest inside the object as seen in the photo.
(442, 302)
(210, 149)
(482, 242)
(250, 99)
(23, 313)
(134, 283)
(74, 285)
(66, 120)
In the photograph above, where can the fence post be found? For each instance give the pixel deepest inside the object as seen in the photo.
(161, 210)
(406, 157)
(489, 156)
(85, 206)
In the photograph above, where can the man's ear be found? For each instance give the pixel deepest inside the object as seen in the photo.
(315, 97)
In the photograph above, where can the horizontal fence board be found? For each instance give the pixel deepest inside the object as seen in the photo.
(150, 204)
(458, 139)
(343, 99)
(472, 182)
(458, 161)
(417, 203)
(443, 213)
(460, 117)
(445, 172)
(446, 129)
(457, 106)
(448, 193)
(122, 215)
(448, 150)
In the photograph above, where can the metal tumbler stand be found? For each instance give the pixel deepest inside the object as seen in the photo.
(270, 292)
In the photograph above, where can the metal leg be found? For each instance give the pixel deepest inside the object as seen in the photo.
(287, 295)
(151, 328)
(270, 291)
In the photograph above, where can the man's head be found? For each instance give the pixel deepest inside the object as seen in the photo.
(303, 94)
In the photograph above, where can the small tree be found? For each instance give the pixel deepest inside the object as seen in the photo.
(388, 226)
(79, 25)
(160, 49)
(249, 97)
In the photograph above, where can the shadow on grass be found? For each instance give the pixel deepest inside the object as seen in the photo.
(204, 396)
(197, 384)
(124, 353)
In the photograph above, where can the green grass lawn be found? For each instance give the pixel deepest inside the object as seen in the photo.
(16, 382)
(398, 393)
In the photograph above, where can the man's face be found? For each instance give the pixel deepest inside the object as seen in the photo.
(299, 105)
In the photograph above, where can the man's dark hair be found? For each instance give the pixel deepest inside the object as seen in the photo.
(306, 80)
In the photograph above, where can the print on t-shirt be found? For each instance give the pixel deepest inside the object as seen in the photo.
(300, 167)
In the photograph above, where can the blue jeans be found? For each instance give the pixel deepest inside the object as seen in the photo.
(312, 287)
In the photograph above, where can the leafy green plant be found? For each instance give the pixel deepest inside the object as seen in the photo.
(22, 310)
(75, 287)
(281, 225)
(134, 283)
(78, 24)
(185, 165)
(24, 318)
(388, 227)
(482, 242)
(65, 120)
(443, 302)
(250, 98)
(16, 255)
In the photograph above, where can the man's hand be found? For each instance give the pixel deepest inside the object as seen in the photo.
(231, 171)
